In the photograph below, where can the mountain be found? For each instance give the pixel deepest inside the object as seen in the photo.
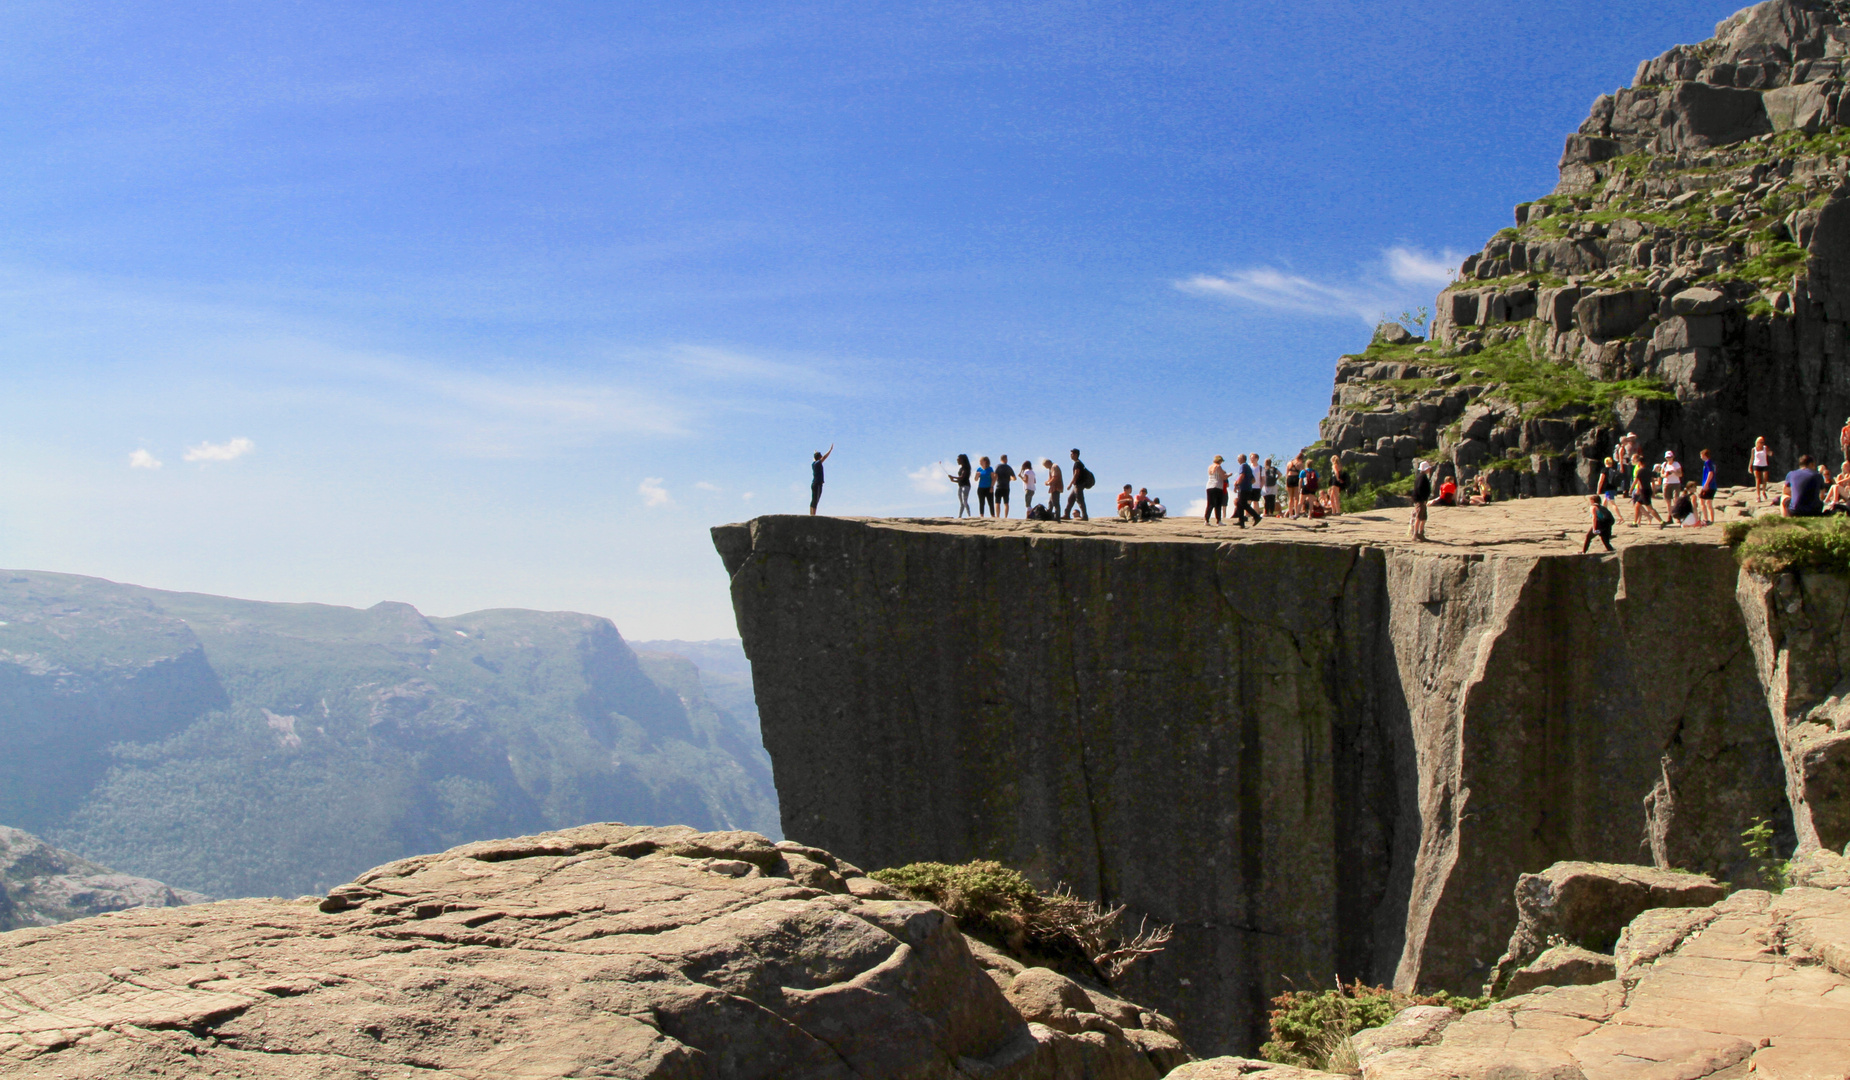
(725, 673)
(41, 886)
(235, 747)
(1687, 281)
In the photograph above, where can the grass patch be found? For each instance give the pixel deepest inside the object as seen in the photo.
(1771, 545)
(999, 905)
(1311, 1029)
(1541, 385)
(1362, 498)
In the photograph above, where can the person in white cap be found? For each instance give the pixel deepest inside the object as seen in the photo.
(1672, 477)
(1422, 490)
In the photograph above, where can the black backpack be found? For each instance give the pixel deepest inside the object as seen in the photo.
(1082, 478)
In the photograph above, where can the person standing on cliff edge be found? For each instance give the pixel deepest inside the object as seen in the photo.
(1422, 490)
(815, 477)
(1077, 482)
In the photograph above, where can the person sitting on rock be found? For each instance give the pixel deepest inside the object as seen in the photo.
(1602, 524)
(1448, 493)
(1804, 491)
(1683, 509)
(1127, 504)
(1157, 510)
(1143, 504)
(1483, 495)
(1838, 499)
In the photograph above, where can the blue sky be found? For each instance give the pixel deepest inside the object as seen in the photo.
(503, 305)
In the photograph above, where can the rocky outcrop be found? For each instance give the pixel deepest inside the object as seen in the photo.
(1311, 756)
(1586, 906)
(1687, 281)
(40, 885)
(1755, 985)
(604, 950)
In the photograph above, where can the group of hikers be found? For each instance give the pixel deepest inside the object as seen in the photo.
(1808, 490)
(995, 483)
(1255, 485)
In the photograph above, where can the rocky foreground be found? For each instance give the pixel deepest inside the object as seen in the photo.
(600, 951)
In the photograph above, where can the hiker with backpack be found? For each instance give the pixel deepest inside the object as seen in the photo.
(1076, 494)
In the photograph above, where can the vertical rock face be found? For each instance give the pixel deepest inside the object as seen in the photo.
(1313, 758)
(1688, 281)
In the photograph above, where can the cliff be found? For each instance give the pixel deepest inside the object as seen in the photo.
(1688, 280)
(238, 748)
(1313, 748)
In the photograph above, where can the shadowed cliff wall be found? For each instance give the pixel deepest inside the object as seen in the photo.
(1312, 758)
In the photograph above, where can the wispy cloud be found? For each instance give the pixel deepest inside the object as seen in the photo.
(702, 485)
(653, 493)
(225, 451)
(141, 459)
(1394, 283)
(931, 480)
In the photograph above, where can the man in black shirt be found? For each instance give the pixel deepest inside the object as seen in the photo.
(1422, 491)
(1004, 474)
(1077, 482)
(815, 478)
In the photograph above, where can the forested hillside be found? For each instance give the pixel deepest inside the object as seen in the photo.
(238, 748)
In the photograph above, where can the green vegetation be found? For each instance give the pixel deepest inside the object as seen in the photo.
(1775, 262)
(1362, 497)
(1311, 1029)
(1542, 386)
(999, 905)
(1770, 871)
(1770, 545)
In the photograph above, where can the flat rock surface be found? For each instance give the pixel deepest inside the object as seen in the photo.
(599, 951)
(1752, 992)
(1529, 526)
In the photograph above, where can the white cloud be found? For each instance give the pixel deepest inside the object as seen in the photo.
(653, 493)
(226, 451)
(141, 459)
(1197, 508)
(1409, 267)
(931, 480)
(704, 486)
(747, 496)
(1396, 283)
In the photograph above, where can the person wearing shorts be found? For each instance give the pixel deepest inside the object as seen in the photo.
(1760, 463)
(1292, 469)
(1004, 474)
(1270, 488)
(1422, 491)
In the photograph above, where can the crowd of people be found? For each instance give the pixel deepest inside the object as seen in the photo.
(995, 485)
(1261, 489)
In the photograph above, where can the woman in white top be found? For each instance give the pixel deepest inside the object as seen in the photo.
(1026, 475)
(1762, 461)
(1217, 493)
(1673, 475)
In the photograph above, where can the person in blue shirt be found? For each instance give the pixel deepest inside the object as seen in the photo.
(985, 488)
(1705, 496)
(1804, 491)
(815, 478)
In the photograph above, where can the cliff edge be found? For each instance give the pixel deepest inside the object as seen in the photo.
(1315, 749)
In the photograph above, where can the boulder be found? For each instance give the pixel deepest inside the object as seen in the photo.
(1804, 107)
(1458, 307)
(1392, 333)
(1589, 904)
(1417, 1025)
(1820, 870)
(1614, 313)
(1561, 965)
(1556, 307)
(1700, 301)
(1824, 769)
(604, 950)
(1697, 117)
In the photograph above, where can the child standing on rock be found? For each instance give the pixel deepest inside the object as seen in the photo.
(1602, 525)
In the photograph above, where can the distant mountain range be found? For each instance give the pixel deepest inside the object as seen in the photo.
(237, 748)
